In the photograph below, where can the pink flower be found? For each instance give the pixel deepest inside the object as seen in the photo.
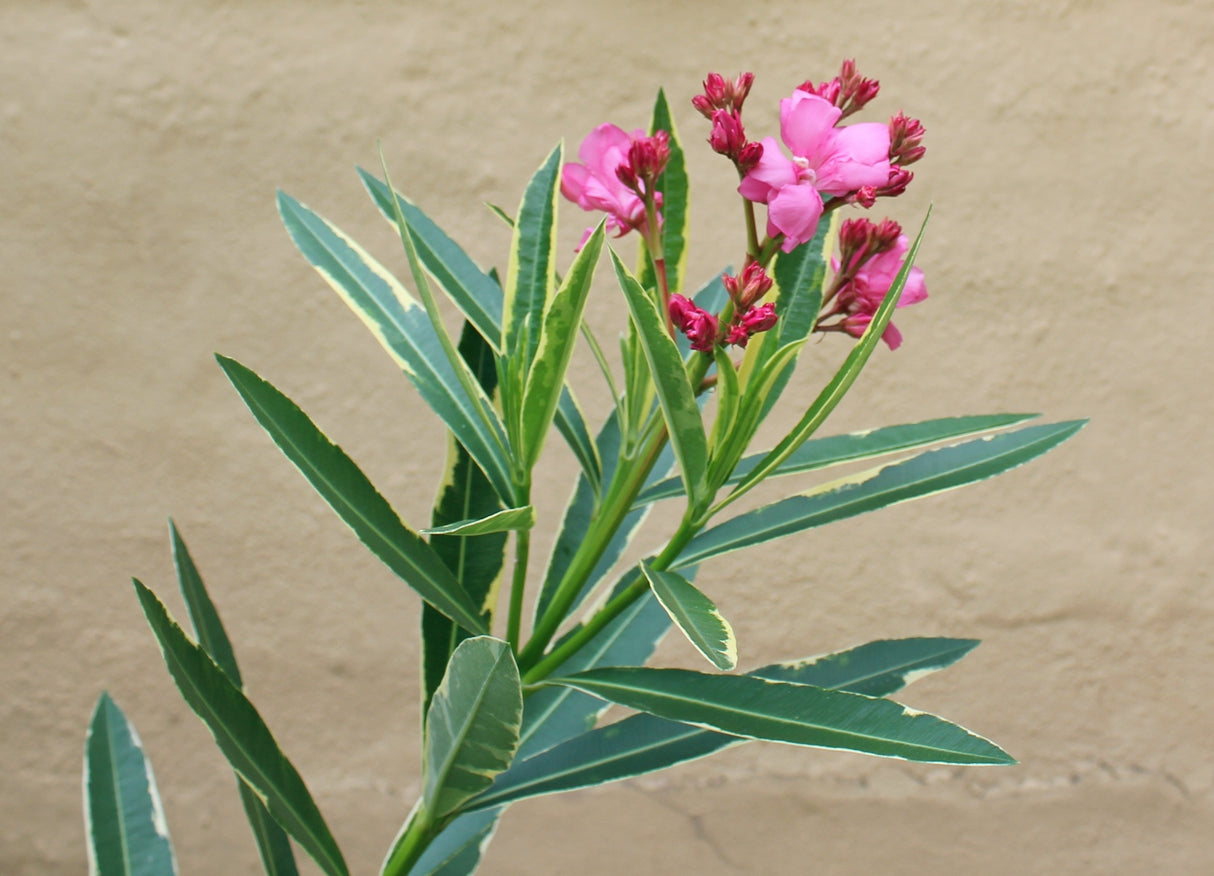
(699, 325)
(863, 294)
(826, 160)
(598, 184)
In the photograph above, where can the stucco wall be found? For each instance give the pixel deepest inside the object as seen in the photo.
(1068, 261)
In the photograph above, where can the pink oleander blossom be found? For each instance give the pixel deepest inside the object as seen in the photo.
(596, 183)
(827, 159)
(861, 297)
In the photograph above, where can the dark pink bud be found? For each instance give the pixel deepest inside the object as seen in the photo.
(737, 335)
(747, 288)
(749, 157)
(723, 94)
(866, 196)
(855, 90)
(699, 325)
(905, 140)
(759, 319)
(647, 157)
(727, 136)
(899, 179)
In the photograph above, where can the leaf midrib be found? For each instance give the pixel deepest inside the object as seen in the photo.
(783, 721)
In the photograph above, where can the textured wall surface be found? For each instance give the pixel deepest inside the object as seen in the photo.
(1069, 265)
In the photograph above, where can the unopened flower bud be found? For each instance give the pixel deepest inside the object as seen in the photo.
(699, 325)
(849, 91)
(747, 288)
(899, 179)
(749, 157)
(759, 319)
(905, 140)
(723, 94)
(647, 157)
(865, 196)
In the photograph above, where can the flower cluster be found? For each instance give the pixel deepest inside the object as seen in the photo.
(870, 256)
(831, 165)
(704, 330)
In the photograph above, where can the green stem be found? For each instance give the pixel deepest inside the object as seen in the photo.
(616, 504)
(609, 612)
(522, 553)
(409, 844)
(752, 230)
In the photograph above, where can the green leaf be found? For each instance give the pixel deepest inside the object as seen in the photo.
(747, 413)
(242, 736)
(347, 490)
(272, 843)
(479, 297)
(472, 728)
(571, 423)
(695, 615)
(503, 521)
(797, 714)
(404, 330)
(475, 561)
(531, 274)
(208, 628)
(474, 292)
(643, 743)
(123, 818)
(833, 392)
(675, 394)
(673, 186)
(550, 716)
(553, 714)
(799, 279)
(457, 849)
(821, 453)
(560, 323)
(924, 475)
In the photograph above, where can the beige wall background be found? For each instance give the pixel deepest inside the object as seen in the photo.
(1068, 261)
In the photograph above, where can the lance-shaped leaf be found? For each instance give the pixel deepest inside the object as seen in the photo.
(673, 186)
(695, 615)
(531, 274)
(675, 394)
(643, 743)
(272, 843)
(475, 561)
(479, 297)
(551, 715)
(560, 323)
(242, 736)
(347, 490)
(472, 728)
(474, 292)
(404, 330)
(837, 387)
(507, 520)
(123, 818)
(821, 453)
(924, 475)
(797, 714)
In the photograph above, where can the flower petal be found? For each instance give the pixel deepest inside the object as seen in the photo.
(806, 123)
(773, 171)
(795, 210)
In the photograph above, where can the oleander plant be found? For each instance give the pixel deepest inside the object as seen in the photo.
(521, 656)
